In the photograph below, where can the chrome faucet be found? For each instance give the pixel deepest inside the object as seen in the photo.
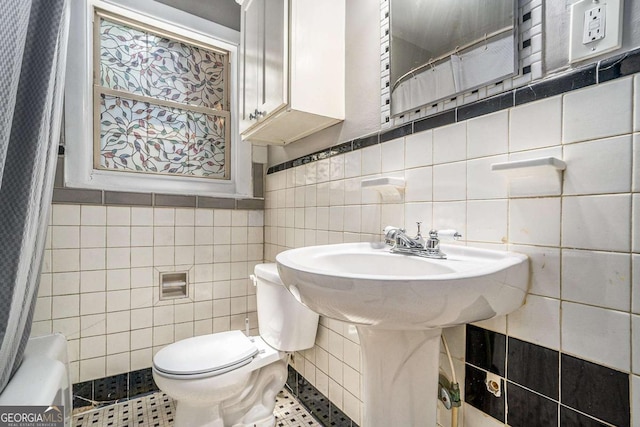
(430, 248)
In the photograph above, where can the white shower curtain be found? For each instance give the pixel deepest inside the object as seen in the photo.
(33, 40)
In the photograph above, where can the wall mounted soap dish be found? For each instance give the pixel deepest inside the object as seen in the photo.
(540, 176)
(390, 188)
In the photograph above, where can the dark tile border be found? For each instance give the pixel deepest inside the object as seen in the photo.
(576, 79)
(619, 66)
(534, 367)
(116, 388)
(530, 409)
(442, 119)
(595, 390)
(486, 349)
(608, 69)
(542, 383)
(128, 199)
(174, 200)
(318, 405)
(123, 198)
(476, 394)
(485, 106)
(62, 194)
(72, 195)
(257, 177)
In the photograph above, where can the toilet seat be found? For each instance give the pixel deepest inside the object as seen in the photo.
(205, 356)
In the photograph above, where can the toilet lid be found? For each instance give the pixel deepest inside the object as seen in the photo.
(206, 353)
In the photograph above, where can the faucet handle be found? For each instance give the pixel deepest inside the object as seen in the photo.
(448, 234)
(418, 224)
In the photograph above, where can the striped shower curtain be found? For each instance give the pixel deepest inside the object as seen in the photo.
(33, 40)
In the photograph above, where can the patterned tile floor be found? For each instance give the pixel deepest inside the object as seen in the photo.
(158, 409)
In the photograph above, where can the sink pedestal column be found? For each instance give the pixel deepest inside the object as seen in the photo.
(400, 375)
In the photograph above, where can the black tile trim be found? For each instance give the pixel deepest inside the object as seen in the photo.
(595, 390)
(108, 390)
(619, 66)
(526, 408)
(436, 121)
(534, 367)
(252, 204)
(397, 133)
(477, 395)
(366, 141)
(574, 80)
(569, 417)
(257, 177)
(485, 106)
(609, 69)
(216, 203)
(318, 405)
(77, 196)
(125, 198)
(486, 349)
(174, 200)
(590, 394)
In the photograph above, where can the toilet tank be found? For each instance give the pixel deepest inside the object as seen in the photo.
(284, 323)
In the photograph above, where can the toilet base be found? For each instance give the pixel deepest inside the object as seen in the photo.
(253, 406)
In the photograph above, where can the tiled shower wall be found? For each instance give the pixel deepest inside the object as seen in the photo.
(100, 280)
(584, 245)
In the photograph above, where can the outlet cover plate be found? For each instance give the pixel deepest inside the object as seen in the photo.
(611, 25)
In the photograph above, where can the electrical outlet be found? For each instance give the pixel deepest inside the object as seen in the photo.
(594, 24)
(596, 28)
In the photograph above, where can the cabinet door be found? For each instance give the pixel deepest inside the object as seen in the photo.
(275, 47)
(251, 60)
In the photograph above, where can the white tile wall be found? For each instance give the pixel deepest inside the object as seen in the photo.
(488, 135)
(585, 269)
(392, 153)
(585, 217)
(536, 125)
(597, 334)
(535, 221)
(590, 170)
(450, 143)
(419, 149)
(101, 289)
(598, 111)
(538, 321)
(597, 278)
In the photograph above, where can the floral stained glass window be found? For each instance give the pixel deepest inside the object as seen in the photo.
(161, 102)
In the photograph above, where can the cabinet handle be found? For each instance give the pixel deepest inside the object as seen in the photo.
(257, 114)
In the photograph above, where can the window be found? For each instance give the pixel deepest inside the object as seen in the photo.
(173, 133)
(160, 102)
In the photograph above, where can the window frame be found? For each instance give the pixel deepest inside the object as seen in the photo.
(79, 101)
(99, 90)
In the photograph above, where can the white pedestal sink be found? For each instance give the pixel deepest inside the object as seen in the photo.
(399, 304)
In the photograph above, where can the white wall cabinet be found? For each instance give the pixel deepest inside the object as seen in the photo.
(292, 70)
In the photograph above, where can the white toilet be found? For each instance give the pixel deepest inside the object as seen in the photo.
(231, 380)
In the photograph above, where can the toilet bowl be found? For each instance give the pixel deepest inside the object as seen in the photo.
(228, 379)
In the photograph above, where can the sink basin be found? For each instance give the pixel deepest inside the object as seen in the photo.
(365, 284)
(399, 304)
